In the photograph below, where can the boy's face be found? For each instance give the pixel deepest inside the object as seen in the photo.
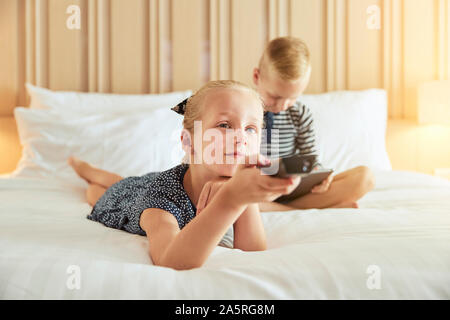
(278, 94)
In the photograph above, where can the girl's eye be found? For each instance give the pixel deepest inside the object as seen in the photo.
(224, 125)
(274, 98)
(251, 129)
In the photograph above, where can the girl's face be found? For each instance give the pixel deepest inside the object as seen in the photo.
(231, 122)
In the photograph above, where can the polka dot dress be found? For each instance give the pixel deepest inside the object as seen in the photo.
(122, 204)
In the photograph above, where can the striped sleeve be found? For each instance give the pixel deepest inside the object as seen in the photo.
(305, 140)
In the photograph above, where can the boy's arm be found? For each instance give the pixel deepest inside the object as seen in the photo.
(249, 234)
(305, 140)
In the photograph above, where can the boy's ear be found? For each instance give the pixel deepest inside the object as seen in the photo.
(256, 75)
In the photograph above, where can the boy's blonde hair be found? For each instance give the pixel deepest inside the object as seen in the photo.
(289, 57)
(195, 108)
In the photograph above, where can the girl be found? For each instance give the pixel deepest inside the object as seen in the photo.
(163, 206)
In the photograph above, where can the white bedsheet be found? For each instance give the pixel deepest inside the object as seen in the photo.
(402, 228)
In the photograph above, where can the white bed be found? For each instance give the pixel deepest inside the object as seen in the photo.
(396, 246)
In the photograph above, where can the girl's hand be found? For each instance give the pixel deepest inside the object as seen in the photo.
(209, 191)
(248, 185)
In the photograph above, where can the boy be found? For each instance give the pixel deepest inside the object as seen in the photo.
(282, 76)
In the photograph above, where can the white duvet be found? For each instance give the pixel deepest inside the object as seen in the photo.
(396, 246)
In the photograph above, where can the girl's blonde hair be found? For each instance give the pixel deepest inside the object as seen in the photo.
(288, 56)
(195, 108)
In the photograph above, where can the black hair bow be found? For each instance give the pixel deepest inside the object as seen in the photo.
(181, 107)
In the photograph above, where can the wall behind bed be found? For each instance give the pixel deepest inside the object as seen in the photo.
(156, 46)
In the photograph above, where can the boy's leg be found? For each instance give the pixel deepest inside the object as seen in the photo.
(93, 193)
(274, 206)
(93, 175)
(344, 191)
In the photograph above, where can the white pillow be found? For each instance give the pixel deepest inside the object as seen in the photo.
(126, 144)
(350, 128)
(350, 131)
(95, 103)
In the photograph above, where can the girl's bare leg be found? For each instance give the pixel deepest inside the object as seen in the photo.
(93, 193)
(93, 175)
(99, 180)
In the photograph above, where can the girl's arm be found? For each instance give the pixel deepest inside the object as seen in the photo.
(190, 247)
(249, 232)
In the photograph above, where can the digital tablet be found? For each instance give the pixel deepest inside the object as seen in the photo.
(306, 185)
(290, 166)
(297, 166)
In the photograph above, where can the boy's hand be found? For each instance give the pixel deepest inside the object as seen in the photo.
(324, 186)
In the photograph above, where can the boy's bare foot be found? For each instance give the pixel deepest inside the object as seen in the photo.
(80, 167)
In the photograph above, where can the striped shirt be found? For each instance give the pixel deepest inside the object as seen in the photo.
(292, 134)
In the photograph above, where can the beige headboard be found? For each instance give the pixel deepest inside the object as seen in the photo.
(139, 46)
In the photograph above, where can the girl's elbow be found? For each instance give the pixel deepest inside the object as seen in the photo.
(182, 266)
(178, 265)
(262, 247)
(253, 248)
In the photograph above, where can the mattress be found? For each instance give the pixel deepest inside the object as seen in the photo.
(396, 246)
